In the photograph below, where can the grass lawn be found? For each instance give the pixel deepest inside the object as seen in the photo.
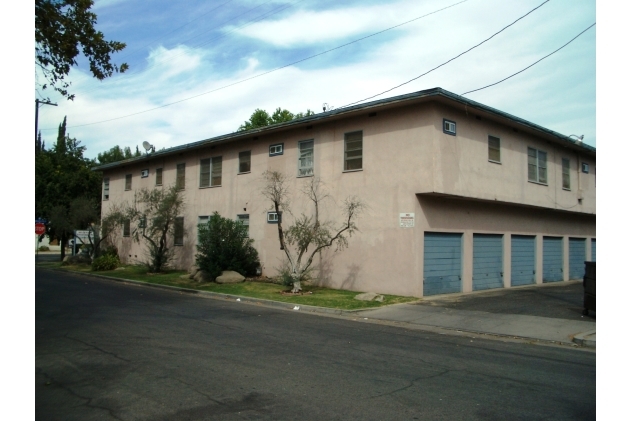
(312, 295)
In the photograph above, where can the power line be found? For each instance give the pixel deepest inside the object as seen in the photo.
(526, 68)
(448, 61)
(269, 71)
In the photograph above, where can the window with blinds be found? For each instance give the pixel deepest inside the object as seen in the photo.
(180, 176)
(353, 151)
(565, 170)
(537, 166)
(210, 172)
(244, 162)
(106, 189)
(494, 149)
(305, 158)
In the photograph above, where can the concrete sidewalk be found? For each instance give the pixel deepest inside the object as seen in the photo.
(513, 325)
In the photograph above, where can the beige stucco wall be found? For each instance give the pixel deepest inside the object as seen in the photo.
(405, 154)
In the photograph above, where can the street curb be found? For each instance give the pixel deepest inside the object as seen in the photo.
(586, 339)
(217, 295)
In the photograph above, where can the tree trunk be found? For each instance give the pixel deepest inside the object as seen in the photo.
(296, 288)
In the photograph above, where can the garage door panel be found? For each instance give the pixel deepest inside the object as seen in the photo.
(552, 259)
(487, 261)
(593, 250)
(522, 260)
(577, 258)
(442, 263)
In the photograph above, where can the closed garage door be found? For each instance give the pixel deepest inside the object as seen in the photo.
(488, 271)
(593, 250)
(577, 258)
(552, 259)
(522, 260)
(442, 263)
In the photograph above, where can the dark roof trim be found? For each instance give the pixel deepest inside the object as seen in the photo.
(420, 95)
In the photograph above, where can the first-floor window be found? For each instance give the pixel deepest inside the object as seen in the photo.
(537, 166)
(273, 217)
(202, 220)
(178, 231)
(565, 164)
(126, 228)
(245, 220)
(106, 189)
(305, 158)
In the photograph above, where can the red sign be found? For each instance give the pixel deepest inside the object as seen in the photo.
(40, 228)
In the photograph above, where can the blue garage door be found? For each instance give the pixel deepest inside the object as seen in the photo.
(552, 259)
(522, 260)
(593, 250)
(577, 258)
(488, 270)
(442, 263)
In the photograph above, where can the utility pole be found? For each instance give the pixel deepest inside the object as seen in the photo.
(37, 102)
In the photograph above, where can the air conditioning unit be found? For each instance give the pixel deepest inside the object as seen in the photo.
(144, 173)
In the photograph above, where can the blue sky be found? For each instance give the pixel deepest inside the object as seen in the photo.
(179, 50)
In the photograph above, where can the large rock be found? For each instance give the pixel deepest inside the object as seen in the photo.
(229, 277)
(369, 296)
(192, 271)
(77, 260)
(202, 276)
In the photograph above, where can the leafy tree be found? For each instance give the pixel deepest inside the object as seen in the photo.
(261, 118)
(308, 234)
(224, 245)
(117, 154)
(154, 213)
(61, 26)
(62, 176)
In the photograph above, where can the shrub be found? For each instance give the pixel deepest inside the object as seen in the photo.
(105, 262)
(44, 248)
(224, 245)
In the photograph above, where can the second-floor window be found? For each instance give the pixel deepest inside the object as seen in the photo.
(353, 151)
(305, 158)
(565, 166)
(537, 166)
(106, 189)
(180, 176)
(128, 182)
(210, 172)
(244, 161)
(158, 176)
(494, 149)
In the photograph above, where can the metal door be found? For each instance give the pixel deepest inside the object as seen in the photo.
(522, 260)
(442, 263)
(488, 270)
(552, 259)
(577, 258)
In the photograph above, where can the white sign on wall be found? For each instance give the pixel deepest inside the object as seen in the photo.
(406, 220)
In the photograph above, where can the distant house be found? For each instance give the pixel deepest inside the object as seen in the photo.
(462, 196)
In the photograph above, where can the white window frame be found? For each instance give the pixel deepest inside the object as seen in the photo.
(305, 170)
(538, 166)
(565, 173)
(144, 173)
(449, 127)
(158, 174)
(585, 167)
(106, 188)
(273, 217)
(245, 220)
(276, 149)
(360, 158)
(215, 165)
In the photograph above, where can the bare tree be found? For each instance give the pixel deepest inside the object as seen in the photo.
(308, 235)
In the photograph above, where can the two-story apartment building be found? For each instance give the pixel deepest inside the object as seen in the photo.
(461, 196)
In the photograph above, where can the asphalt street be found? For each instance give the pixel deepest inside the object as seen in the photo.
(113, 351)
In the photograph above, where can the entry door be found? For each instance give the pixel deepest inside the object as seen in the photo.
(488, 270)
(442, 263)
(577, 258)
(522, 260)
(552, 259)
